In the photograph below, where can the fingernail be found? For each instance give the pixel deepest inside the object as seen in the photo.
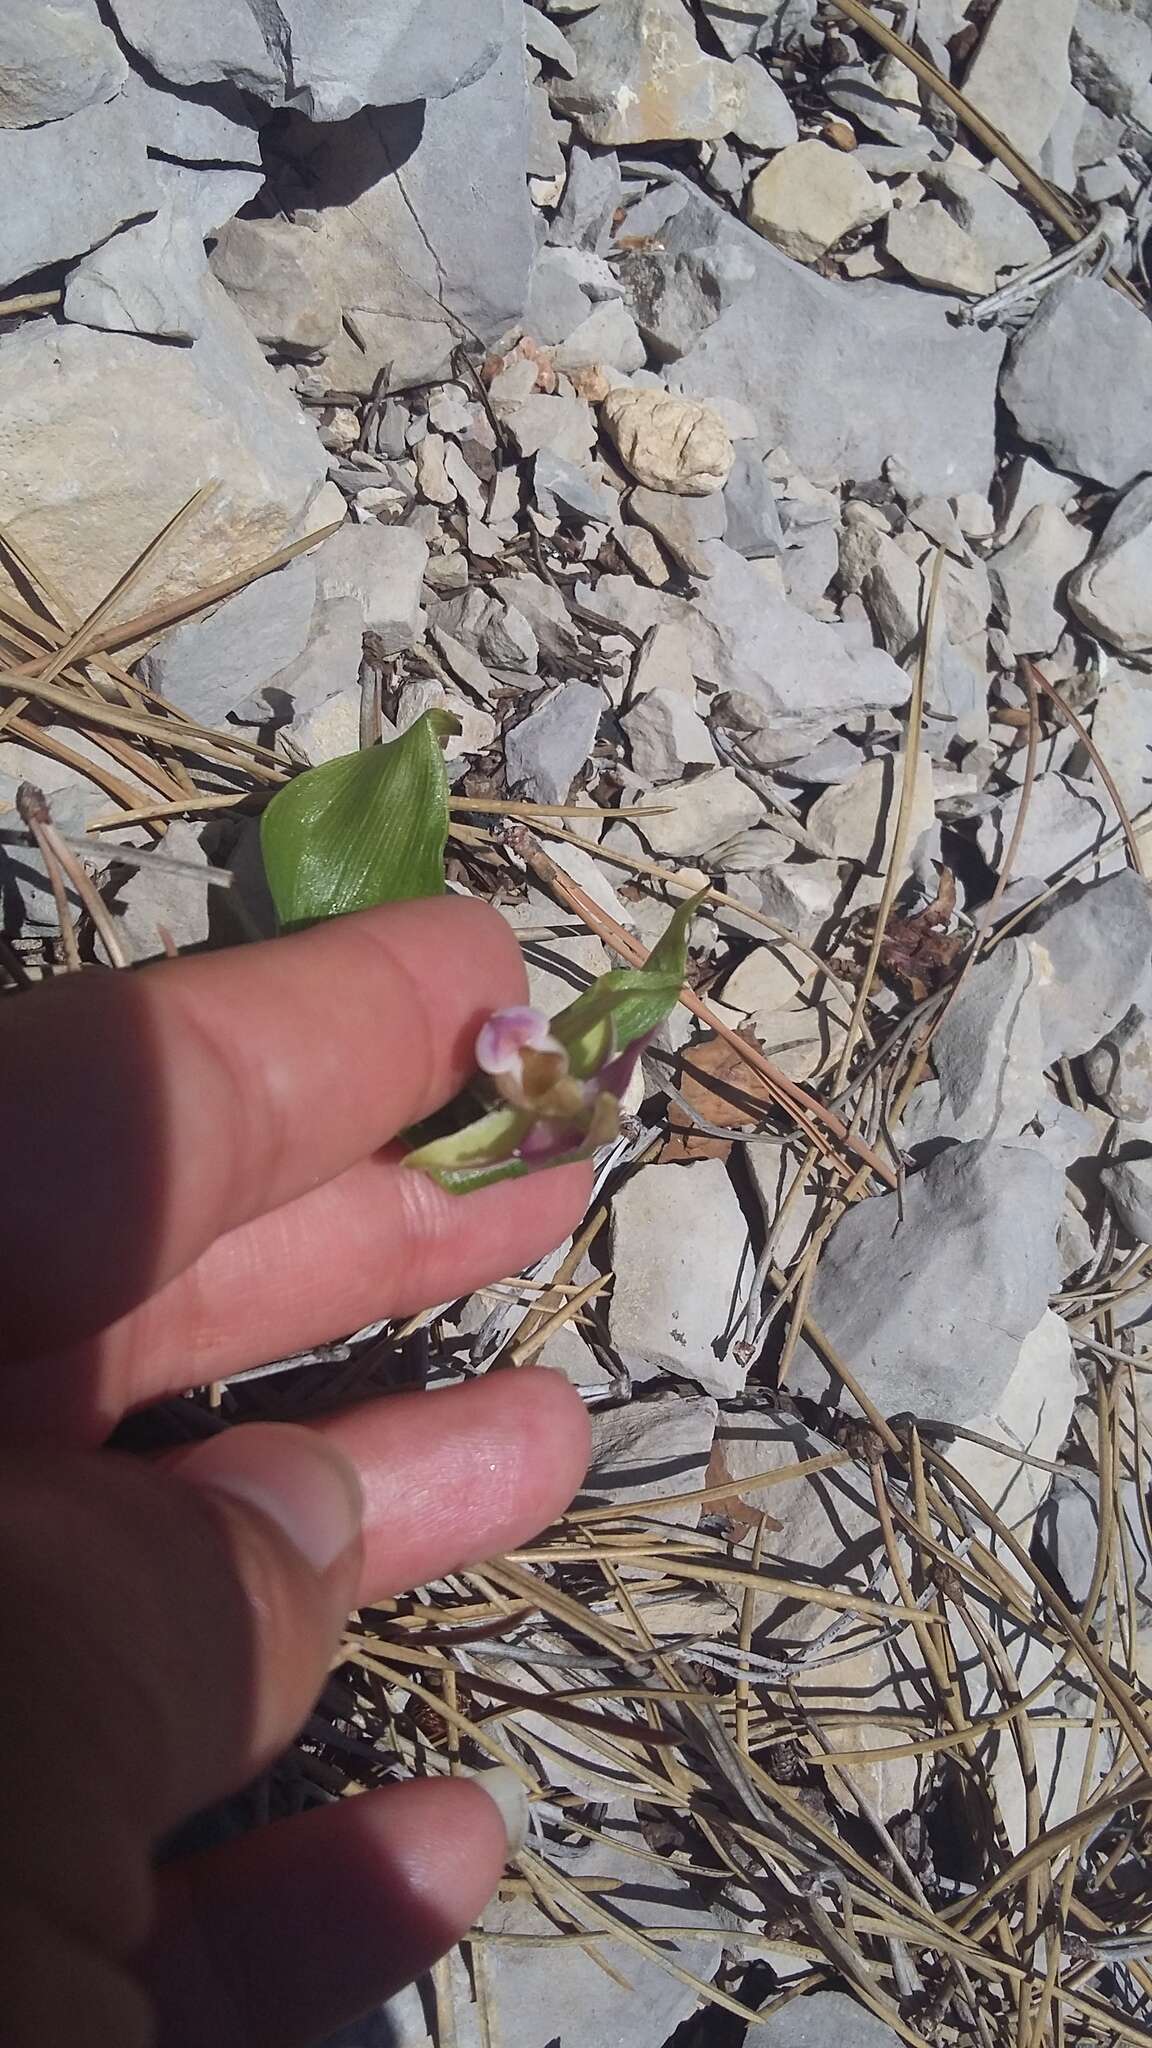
(510, 1794)
(298, 1480)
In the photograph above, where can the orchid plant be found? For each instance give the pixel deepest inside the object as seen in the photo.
(372, 827)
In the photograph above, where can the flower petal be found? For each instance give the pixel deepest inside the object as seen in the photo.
(507, 1033)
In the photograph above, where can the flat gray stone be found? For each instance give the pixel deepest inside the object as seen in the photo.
(1020, 74)
(828, 2019)
(197, 124)
(78, 180)
(304, 53)
(589, 201)
(290, 303)
(54, 61)
(679, 287)
(752, 518)
(147, 280)
(1078, 383)
(210, 666)
(562, 488)
(641, 76)
(1092, 952)
(930, 1313)
(547, 750)
(1030, 575)
(701, 816)
(670, 1309)
(793, 675)
(648, 1450)
(988, 1053)
(1113, 591)
(666, 736)
(1112, 58)
(1068, 1529)
(382, 568)
(846, 376)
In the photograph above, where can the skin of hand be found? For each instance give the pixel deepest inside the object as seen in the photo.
(200, 1175)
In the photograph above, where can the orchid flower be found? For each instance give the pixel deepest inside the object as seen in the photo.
(557, 1083)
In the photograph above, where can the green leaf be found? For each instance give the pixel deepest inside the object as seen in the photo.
(629, 1003)
(367, 828)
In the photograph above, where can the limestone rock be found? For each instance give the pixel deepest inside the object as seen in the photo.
(547, 750)
(681, 284)
(646, 1450)
(55, 61)
(1005, 232)
(931, 1312)
(668, 443)
(790, 678)
(211, 665)
(931, 246)
(700, 816)
(195, 125)
(147, 280)
(1112, 58)
(829, 2019)
(420, 257)
(1128, 1185)
(1120, 1068)
(1092, 952)
(382, 568)
(848, 375)
(1067, 1529)
(856, 820)
(1079, 383)
(103, 437)
(1113, 591)
(988, 1052)
(641, 76)
(289, 305)
(78, 180)
(329, 63)
(809, 197)
(1033, 1414)
(1020, 75)
(1030, 575)
(769, 978)
(669, 1311)
(666, 736)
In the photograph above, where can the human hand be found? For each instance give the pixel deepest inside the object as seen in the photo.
(197, 1177)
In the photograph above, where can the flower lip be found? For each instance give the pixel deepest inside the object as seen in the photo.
(508, 1034)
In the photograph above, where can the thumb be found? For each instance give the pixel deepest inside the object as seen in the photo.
(170, 1627)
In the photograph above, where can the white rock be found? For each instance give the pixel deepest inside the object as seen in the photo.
(667, 443)
(1032, 1413)
(1020, 74)
(932, 247)
(1113, 592)
(932, 1311)
(54, 61)
(670, 1310)
(152, 901)
(1066, 818)
(608, 334)
(666, 736)
(197, 127)
(1030, 575)
(564, 426)
(802, 1040)
(103, 437)
(147, 280)
(763, 118)
(830, 2019)
(700, 816)
(210, 666)
(800, 894)
(857, 819)
(78, 180)
(809, 197)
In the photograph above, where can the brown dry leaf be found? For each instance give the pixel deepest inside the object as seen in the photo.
(723, 1090)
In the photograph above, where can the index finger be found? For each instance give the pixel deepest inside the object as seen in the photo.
(145, 1114)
